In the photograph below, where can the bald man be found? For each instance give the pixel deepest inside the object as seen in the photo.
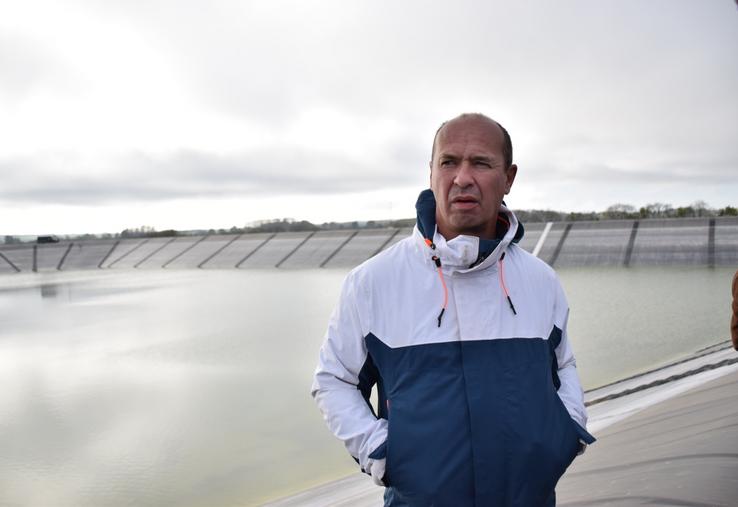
(463, 335)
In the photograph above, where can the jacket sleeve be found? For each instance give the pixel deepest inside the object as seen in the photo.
(336, 383)
(570, 391)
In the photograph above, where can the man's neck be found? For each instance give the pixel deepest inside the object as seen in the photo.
(487, 232)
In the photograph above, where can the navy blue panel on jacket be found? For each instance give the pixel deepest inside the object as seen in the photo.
(473, 423)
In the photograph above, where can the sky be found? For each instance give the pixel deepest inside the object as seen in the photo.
(209, 114)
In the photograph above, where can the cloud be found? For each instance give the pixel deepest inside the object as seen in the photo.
(62, 177)
(26, 67)
(668, 174)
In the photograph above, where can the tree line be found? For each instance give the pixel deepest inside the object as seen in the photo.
(614, 212)
(620, 211)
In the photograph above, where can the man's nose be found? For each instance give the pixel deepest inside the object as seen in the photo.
(463, 176)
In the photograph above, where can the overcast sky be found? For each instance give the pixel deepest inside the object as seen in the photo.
(199, 114)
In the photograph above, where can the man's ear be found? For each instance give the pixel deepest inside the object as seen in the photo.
(511, 172)
(430, 174)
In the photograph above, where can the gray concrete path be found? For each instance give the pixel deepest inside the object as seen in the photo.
(683, 451)
(667, 437)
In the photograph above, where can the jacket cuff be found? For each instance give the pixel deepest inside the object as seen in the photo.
(380, 452)
(584, 435)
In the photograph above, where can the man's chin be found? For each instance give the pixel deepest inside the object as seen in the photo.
(468, 227)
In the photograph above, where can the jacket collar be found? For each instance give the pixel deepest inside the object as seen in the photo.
(463, 252)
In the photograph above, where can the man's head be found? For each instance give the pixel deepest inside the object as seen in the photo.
(471, 171)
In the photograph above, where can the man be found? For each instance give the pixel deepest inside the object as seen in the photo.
(464, 335)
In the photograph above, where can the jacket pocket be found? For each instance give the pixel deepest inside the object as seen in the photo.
(583, 434)
(566, 435)
(381, 453)
(544, 445)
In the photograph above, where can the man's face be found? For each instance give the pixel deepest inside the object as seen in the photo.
(469, 177)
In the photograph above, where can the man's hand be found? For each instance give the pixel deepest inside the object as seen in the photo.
(376, 469)
(582, 447)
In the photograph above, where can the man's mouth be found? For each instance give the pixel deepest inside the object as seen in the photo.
(464, 202)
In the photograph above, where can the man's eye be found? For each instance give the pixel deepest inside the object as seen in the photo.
(483, 163)
(446, 163)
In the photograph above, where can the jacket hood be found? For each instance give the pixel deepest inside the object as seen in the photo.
(481, 248)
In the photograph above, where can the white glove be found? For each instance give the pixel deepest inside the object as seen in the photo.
(376, 468)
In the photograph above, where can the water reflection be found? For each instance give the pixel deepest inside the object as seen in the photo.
(49, 290)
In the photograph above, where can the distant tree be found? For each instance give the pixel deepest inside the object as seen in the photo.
(304, 225)
(702, 209)
(576, 216)
(620, 211)
(685, 211)
(655, 210)
(728, 211)
(139, 232)
(10, 240)
(551, 216)
(283, 225)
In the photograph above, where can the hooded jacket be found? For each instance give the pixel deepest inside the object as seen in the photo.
(478, 405)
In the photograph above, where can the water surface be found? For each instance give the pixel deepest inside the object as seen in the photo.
(192, 387)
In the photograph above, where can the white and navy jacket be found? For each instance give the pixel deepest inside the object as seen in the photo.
(482, 407)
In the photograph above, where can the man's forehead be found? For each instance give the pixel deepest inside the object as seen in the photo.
(474, 132)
